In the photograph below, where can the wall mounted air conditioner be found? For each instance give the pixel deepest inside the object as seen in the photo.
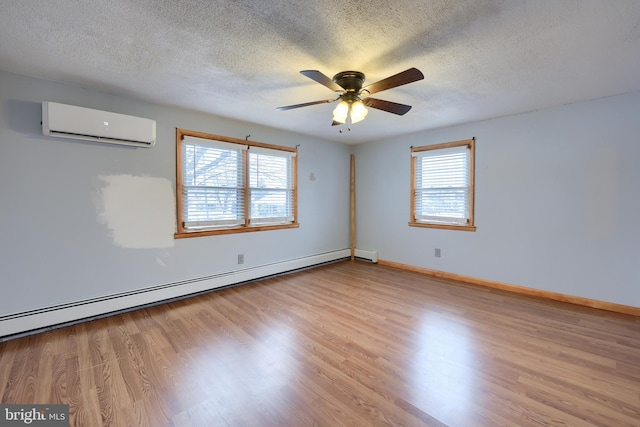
(69, 121)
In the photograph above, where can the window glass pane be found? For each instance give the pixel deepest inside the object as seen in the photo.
(439, 204)
(272, 205)
(211, 166)
(269, 171)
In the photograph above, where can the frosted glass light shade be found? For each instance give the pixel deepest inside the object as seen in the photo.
(358, 112)
(340, 112)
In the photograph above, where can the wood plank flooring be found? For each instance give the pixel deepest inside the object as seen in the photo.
(346, 344)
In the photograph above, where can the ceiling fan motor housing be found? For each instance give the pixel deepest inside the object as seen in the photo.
(351, 81)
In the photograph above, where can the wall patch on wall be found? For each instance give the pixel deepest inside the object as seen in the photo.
(139, 211)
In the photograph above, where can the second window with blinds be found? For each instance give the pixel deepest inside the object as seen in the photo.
(227, 185)
(442, 185)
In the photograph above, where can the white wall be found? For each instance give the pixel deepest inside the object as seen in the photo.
(557, 201)
(60, 244)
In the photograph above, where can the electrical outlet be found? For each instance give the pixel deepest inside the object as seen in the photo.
(240, 258)
(437, 253)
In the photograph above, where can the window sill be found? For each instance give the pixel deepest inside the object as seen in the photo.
(443, 226)
(212, 232)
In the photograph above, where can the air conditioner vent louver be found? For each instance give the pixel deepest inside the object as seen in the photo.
(69, 121)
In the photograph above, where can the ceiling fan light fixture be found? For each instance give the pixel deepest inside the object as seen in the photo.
(353, 97)
(358, 112)
(341, 112)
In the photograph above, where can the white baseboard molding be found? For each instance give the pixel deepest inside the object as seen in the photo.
(20, 323)
(366, 255)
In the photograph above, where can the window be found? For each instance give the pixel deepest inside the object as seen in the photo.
(228, 185)
(442, 192)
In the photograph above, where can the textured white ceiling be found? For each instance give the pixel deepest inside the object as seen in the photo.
(241, 59)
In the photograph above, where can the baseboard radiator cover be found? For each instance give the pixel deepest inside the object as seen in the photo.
(571, 299)
(33, 321)
(371, 256)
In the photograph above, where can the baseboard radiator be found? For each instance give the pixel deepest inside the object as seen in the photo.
(28, 322)
(371, 256)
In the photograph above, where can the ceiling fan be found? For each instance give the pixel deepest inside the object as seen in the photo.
(354, 98)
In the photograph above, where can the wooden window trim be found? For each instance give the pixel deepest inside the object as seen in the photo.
(182, 232)
(470, 226)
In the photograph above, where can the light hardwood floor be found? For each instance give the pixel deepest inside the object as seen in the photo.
(346, 344)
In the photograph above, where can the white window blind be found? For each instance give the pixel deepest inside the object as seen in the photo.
(212, 182)
(442, 185)
(271, 192)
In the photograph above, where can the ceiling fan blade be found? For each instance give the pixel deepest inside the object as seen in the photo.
(323, 80)
(306, 104)
(408, 76)
(388, 106)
